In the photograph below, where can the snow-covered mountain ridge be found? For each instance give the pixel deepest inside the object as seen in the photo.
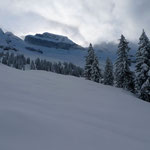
(52, 41)
(43, 110)
(10, 41)
(55, 47)
(45, 46)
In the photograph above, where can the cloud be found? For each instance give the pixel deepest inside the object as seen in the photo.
(82, 20)
(30, 22)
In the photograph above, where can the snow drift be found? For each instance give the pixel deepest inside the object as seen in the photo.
(46, 111)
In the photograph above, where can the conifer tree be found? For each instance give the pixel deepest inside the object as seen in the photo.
(89, 62)
(145, 90)
(32, 66)
(108, 73)
(11, 59)
(96, 71)
(28, 61)
(1, 54)
(38, 64)
(123, 75)
(4, 60)
(143, 68)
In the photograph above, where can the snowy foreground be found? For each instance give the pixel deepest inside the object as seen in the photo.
(46, 111)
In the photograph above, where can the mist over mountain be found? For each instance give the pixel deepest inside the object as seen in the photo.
(109, 49)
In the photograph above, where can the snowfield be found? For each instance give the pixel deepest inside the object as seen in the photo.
(47, 111)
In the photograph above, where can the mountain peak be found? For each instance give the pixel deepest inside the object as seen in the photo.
(1, 32)
(54, 37)
(52, 41)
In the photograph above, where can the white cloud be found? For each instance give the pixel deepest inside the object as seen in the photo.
(82, 20)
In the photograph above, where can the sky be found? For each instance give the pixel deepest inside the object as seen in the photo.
(84, 21)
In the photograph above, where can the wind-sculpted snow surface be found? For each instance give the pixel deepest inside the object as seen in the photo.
(46, 111)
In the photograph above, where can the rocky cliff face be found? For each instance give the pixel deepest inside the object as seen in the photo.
(52, 41)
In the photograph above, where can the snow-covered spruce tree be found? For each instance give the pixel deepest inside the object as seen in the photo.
(7, 55)
(1, 56)
(38, 64)
(11, 59)
(123, 75)
(143, 68)
(28, 61)
(96, 75)
(4, 60)
(145, 89)
(32, 65)
(108, 73)
(49, 66)
(88, 63)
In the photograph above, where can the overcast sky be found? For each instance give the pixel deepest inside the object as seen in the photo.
(83, 21)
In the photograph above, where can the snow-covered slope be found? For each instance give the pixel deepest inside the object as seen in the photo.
(8, 39)
(46, 111)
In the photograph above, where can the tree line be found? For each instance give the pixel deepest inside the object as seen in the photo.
(19, 61)
(135, 80)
